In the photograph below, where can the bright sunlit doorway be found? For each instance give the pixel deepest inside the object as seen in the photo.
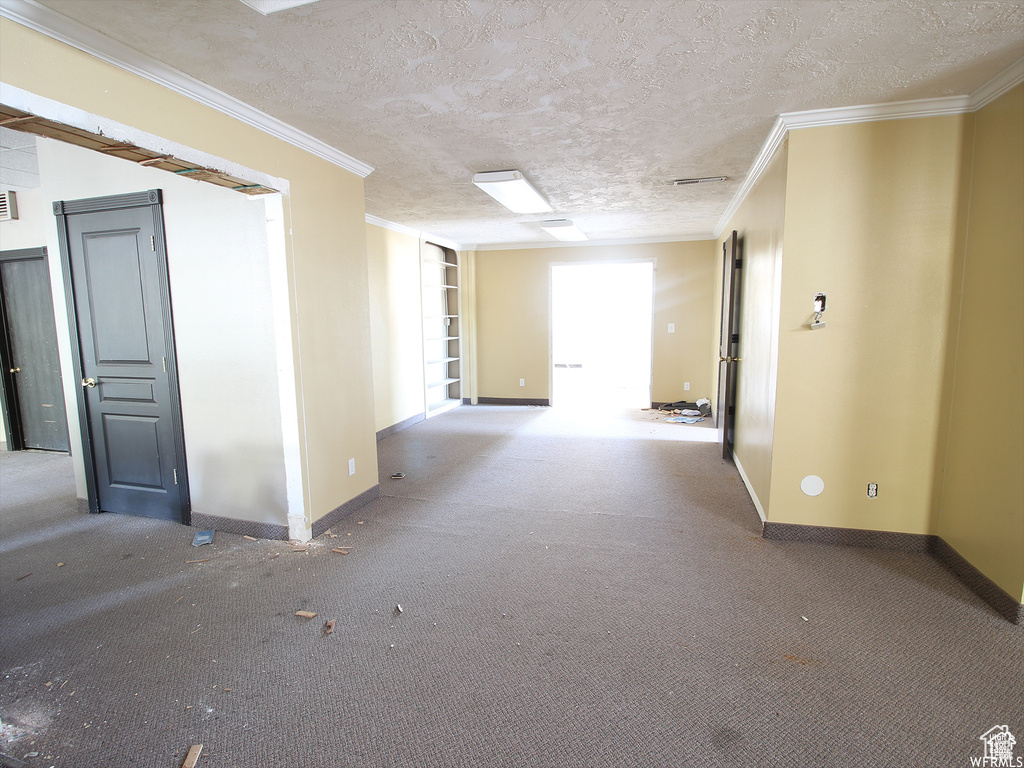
(601, 319)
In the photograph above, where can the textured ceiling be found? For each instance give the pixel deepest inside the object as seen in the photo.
(599, 102)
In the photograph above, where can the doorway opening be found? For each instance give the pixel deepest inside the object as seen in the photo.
(601, 334)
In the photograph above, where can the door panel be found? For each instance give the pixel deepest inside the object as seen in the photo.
(729, 343)
(33, 382)
(121, 304)
(116, 297)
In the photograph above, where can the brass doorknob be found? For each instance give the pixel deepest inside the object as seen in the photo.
(90, 382)
(15, 370)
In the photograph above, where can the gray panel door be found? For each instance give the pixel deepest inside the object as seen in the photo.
(33, 382)
(125, 345)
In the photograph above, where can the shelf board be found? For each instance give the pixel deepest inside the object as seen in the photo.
(443, 338)
(442, 360)
(440, 317)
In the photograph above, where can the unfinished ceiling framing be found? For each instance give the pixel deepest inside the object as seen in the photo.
(26, 122)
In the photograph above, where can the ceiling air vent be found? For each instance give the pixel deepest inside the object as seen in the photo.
(8, 206)
(681, 182)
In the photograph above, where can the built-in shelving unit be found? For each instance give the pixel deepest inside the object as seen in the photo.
(442, 343)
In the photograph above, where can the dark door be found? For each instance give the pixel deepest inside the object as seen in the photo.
(31, 377)
(729, 343)
(120, 300)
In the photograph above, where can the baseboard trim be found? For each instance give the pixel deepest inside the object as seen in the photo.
(976, 581)
(750, 490)
(381, 434)
(338, 514)
(850, 537)
(513, 401)
(1003, 603)
(240, 527)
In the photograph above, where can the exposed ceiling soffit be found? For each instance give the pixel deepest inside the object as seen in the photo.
(52, 24)
(107, 132)
(19, 120)
(1006, 80)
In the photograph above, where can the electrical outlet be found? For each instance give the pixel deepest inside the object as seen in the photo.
(671, 327)
(872, 490)
(522, 382)
(686, 386)
(351, 466)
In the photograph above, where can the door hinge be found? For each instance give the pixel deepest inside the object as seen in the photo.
(175, 476)
(165, 363)
(152, 242)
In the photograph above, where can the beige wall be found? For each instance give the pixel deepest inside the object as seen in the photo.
(870, 219)
(759, 224)
(396, 324)
(223, 323)
(513, 316)
(982, 504)
(325, 249)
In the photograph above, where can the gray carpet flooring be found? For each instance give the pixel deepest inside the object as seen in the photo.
(576, 590)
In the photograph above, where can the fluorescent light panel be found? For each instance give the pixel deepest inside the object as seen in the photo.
(267, 7)
(512, 190)
(563, 229)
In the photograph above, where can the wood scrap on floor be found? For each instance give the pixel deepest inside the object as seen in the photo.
(329, 626)
(306, 614)
(193, 756)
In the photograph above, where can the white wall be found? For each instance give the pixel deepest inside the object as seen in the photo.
(224, 324)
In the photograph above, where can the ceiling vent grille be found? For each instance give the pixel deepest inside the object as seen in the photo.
(707, 179)
(8, 206)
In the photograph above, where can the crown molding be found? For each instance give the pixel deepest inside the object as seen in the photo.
(775, 140)
(52, 24)
(1009, 78)
(870, 113)
(589, 243)
(377, 221)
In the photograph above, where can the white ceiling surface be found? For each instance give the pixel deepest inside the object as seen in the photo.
(601, 103)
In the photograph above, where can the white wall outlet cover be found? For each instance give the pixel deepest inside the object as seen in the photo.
(351, 466)
(812, 485)
(671, 327)
(522, 382)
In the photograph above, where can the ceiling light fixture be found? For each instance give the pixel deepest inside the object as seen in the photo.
(681, 182)
(512, 190)
(563, 229)
(267, 7)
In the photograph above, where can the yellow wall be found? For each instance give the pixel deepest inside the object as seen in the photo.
(871, 220)
(759, 224)
(326, 250)
(513, 316)
(396, 324)
(982, 504)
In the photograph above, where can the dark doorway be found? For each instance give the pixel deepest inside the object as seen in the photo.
(32, 386)
(115, 270)
(729, 343)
